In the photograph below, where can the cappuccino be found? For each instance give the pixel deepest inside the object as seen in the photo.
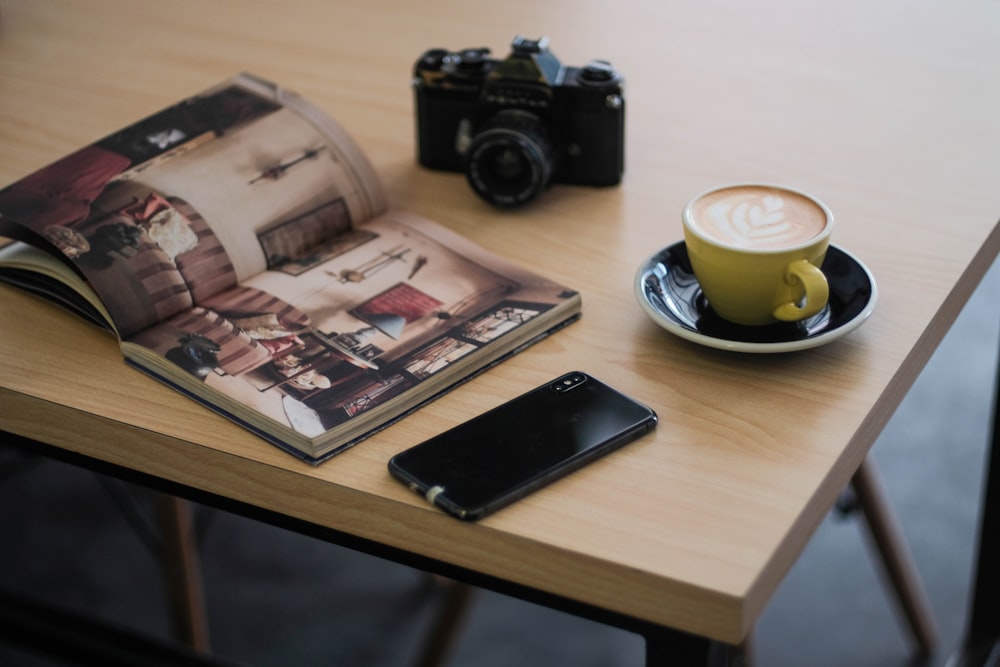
(757, 217)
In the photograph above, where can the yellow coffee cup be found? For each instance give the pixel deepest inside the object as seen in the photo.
(756, 250)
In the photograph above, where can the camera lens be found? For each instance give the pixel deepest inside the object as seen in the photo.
(510, 161)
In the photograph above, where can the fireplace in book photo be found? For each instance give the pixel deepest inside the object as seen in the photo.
(390, 311)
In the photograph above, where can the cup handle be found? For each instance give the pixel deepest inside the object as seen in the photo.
(817, 291)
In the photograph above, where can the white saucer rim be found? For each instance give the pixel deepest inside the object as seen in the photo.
(743, 346)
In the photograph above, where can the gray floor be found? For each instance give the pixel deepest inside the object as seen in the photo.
(277, 598)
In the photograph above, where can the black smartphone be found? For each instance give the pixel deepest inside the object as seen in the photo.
(520, 446)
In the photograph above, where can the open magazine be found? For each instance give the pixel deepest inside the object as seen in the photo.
(239, 246)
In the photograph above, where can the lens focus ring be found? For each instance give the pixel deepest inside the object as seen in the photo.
(511, 160)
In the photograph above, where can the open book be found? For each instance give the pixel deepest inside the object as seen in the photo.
(239, 246)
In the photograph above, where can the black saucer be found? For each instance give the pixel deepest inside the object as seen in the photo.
(669, 293)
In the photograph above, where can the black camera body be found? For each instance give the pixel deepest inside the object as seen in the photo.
(515, 125)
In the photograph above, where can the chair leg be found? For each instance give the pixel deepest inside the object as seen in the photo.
(895, 554)
(182, 568)
(446, 624)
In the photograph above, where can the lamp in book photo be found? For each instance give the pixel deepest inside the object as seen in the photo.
(469, 305)
(391, 324)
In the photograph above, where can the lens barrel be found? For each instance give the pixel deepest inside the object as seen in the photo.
(511, 160)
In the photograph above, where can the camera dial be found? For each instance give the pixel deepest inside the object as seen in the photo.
(598, 72)
(511, 160)
(432, 59)
(466, 60)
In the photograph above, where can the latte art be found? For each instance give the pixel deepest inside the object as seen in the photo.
(757, 217)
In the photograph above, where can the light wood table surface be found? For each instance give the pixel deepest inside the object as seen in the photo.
(886, 111)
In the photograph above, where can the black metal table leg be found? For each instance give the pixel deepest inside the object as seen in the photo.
(667, 648)
(981, 647)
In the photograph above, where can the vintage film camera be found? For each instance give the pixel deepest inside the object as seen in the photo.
(515, 125)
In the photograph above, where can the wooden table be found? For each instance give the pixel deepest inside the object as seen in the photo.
(886, 111)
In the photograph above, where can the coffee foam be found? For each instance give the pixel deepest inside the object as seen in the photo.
(757, 217)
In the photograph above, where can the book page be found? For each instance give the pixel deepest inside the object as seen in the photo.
(315, 348)
(197, 198)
